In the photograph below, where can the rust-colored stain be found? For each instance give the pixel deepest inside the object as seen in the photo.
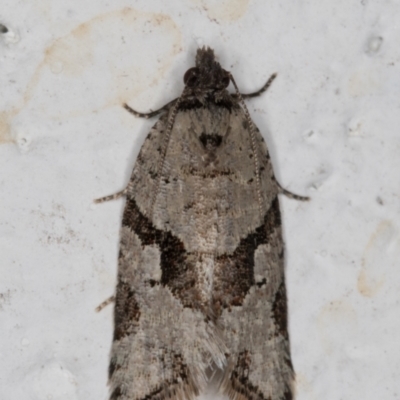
(374, 261)
(304, 385)
(336, 319)
(224, 10)
(91, 50)
(5, 125)
(368, 286)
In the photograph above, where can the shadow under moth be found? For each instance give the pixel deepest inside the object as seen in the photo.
(201, 270)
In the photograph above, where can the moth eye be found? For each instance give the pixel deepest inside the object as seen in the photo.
(190, 77)
(225, 80)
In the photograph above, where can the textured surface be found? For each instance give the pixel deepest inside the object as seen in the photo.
(331, 120)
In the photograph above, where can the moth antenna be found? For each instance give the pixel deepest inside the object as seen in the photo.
(252, 130)
(170, 124)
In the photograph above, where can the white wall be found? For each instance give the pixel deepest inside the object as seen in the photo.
(332, 123)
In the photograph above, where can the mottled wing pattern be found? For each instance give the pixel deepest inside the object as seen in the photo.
(200, 277)
(155, 354)
(249, 284)
(255, 330)
(201, 271)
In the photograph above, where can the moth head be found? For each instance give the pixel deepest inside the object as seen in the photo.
(207, 75)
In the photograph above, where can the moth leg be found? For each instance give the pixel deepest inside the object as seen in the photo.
(262, 90)
(105, 303)
(150, 114)
(291, 195)
(114, 196)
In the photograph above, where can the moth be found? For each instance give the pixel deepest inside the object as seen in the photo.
(201, 268)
